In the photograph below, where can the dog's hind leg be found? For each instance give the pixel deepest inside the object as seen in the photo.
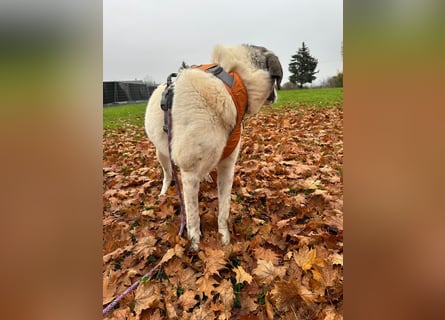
(166, 169)
(226, 170)
(190, 183)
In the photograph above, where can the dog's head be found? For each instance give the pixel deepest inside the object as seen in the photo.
(265, 59)
(259, 68)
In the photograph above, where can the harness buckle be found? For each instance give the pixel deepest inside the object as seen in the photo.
(167, 99)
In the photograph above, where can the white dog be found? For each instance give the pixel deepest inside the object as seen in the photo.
(203, 117)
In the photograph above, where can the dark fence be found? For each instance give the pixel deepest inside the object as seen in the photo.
(126, 91)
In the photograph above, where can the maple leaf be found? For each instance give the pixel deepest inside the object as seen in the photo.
(286, 295)
(112, 255)
(171, 311)
(108, 289)
(285, 222)
(172, 269)
(317, 275)
(289, 295)
(306, 258)
(187, 300)
(225, 291)
(178, 251)
(145, 247)
(266, 254)
(248, 303)
(206, 285)
(147, 295)
(121, 314)
(242, 275)
(214, 260)
(187, 278)
(204, 312)
(266, 271)
(332, 277)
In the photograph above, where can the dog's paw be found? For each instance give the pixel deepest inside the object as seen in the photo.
(194, 247)
(225, 236)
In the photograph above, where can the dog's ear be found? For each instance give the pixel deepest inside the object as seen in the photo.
(275, 69)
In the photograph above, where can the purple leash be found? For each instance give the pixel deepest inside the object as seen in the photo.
(111, 306)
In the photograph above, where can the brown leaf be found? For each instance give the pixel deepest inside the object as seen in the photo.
(306, 258)
(145, 247)
(266, 271)
(248, 303)
(225, 290)
(108, 289)
(187, 300)
(187, 278)
(214, 260)
(204, 312)
(178, 251)
(288, 295)
(266, 254)
(242, 275)
(172, 269)
(206, 285)
(121, 314)
(147, 295)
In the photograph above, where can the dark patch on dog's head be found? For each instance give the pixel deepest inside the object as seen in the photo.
(267, 60)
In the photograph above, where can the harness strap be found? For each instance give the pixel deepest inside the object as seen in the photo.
(235, 86)
(219, 72)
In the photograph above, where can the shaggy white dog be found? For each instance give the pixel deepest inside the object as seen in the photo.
(203, 116)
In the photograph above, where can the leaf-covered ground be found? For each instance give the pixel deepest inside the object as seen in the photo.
(285, 259)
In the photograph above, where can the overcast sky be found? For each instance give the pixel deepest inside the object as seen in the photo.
(149, 39)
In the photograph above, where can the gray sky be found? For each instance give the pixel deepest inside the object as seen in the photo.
(145, 39)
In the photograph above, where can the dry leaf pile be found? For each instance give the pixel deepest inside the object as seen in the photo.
(285, 259)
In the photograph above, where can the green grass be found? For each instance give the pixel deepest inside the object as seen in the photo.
(323, 97)
(114, 116)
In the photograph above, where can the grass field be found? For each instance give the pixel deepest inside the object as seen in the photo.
(300, 98)
(115, 115)
(323, 97)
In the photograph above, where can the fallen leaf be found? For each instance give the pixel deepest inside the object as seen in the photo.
(266, 271)
(305, 258)
(187, 300)
(242, 275)
(206, 285)
(178, 251)
(225, 290)
(214, 260)
(147, 295)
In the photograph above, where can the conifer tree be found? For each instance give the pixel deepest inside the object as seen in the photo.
(302, 67)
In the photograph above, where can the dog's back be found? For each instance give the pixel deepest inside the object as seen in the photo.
(203, 115)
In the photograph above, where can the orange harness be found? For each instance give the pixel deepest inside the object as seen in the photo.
(238, 91)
